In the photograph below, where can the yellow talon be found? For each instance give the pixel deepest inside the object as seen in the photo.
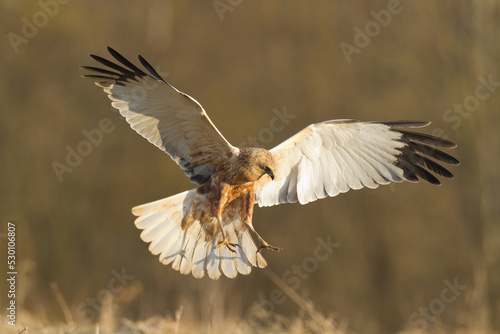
(271, 248)
(229, 245)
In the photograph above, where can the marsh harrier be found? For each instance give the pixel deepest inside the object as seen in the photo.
(207, 229)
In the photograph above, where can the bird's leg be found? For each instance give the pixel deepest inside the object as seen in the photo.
(265, 245)
(246, 213)
(224, 241)
(223, 201)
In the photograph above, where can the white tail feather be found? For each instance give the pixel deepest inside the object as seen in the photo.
(189, 251)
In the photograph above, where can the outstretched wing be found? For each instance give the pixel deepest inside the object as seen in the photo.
(171, 120)
(331, 157)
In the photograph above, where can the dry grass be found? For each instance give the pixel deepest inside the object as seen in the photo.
(307, 320)
(275, 323)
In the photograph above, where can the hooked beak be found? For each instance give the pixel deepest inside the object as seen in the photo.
(270, 173)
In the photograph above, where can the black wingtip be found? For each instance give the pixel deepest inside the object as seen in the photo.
(95, 57)
(426, 139)
(415, 158)
(150, 68)
(124, 61)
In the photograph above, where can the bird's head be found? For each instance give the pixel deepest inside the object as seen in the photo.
(264, 163)
(259, 162)
(266, 170)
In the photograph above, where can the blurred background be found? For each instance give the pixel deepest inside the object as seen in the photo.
(410, 257)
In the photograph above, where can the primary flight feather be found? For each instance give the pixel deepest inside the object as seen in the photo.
(206, 230)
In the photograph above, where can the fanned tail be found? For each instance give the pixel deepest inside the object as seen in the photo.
(190, 250)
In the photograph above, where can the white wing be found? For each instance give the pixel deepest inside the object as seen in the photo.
(331, 157)
(171, 120)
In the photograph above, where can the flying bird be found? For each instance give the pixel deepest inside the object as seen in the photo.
(207, 230)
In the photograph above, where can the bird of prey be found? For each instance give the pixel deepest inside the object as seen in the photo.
(206, 230)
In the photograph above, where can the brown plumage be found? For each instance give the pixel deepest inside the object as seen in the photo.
(231, 181)
(250, 165)
(206, 230)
